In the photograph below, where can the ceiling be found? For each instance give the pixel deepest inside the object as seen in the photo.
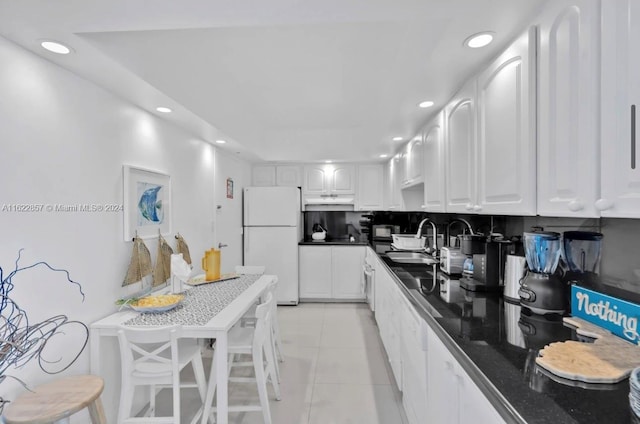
(279, 80)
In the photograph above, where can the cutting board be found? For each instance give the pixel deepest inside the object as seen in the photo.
(608, 359)
(201, 279)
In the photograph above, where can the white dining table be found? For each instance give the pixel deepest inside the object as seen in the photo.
(216, 327)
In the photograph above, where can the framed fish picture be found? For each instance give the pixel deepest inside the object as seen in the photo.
(147, 203)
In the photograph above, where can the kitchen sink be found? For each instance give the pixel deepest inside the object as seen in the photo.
(412, 258)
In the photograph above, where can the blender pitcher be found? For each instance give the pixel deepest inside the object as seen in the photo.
(582, 252)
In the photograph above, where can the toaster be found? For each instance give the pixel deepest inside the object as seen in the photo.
(451, 260)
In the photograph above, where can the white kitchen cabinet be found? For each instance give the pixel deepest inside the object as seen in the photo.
(263, 176)
(568, 109)
(460, 158)
(276, 175)
(506, 143)
(393, 197)
(329, 179)
(434, 166)
(453, 398)
(347, 277)
(370, 195)
(413, 157)
(413, 354)
(315, 272)
(331, 272)
(620, 160)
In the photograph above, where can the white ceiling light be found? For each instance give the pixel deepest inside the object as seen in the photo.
(55, 47)
(163, 109)
(425, 104)
(220, 141)
(328, 161)
(480, 39)
(397, 138)
(383, 156)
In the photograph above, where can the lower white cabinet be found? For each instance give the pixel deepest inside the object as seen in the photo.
(331, 272)
(388, 305)
(413, 353)
(452, 396)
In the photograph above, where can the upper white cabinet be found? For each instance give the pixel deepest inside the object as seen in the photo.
(370, 183)
(413, 158)
(568, 114)
(329, 179)
(434, 166)
(620, 183)
(276, 175)
(393, 172)
(460, 142)
(506, 145)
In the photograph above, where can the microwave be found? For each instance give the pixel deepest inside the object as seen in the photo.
(384, 231)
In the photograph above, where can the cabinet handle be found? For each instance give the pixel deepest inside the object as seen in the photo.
(477, 208)
(633, 136)
(603, 204)
(575, 205)
(469, 207)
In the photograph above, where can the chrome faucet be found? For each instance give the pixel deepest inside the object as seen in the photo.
(453, 221)
(435, 234)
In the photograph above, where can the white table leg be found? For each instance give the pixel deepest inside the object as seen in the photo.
(223, 380)
(94, 354)
(218, 381)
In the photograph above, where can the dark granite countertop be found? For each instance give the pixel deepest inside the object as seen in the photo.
(496, 342)
(332, 242)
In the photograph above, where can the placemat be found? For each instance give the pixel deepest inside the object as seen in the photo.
(200, 304)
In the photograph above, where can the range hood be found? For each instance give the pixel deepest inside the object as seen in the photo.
(329, 202)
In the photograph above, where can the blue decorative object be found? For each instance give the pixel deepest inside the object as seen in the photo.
(613, 314)
(149, 205)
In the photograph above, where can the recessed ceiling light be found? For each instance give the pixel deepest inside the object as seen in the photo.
(397, 138)
(328, 161)
(480, 39)
(163, 109)
(425, 104)
(55, 47)
(383, 156)
(220, 141)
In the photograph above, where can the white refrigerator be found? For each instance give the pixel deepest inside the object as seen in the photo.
(272, 228)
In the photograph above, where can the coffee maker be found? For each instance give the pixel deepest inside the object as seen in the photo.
(542, 291)
(582, 252)
(488, 267)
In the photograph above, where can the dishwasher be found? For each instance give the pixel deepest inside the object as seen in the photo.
(369, 271)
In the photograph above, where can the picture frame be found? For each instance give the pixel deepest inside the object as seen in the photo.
(229, 188)
(146, 202)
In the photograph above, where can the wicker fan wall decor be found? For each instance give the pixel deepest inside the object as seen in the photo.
(162, 270)
(182, 247)
(140, 264)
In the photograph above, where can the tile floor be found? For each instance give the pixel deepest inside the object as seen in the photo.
(335, 371)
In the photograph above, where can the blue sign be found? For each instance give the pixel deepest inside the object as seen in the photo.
(613, 314)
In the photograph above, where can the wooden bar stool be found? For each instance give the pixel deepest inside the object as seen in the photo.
(55, 402)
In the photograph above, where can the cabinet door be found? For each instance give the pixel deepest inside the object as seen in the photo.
(474, 406)
(348, 280)
(412, 158)
(342, 179)
(394, 171)
(370, 181)
(316, 179)
(441, 383)
(315, 272)
(568, 102)
(460, 150)
(620, 183)
(288, 175)
(263, 176)
(434, 175)
(506, 154)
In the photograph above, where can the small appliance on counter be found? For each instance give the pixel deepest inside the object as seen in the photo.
(319, 233)
(488, 267)
(381, 237)
(542, 291)
(582, 252)
(514, 271)
(470, 244)
(451, 260)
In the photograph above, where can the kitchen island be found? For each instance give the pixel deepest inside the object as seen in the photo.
(495, 343)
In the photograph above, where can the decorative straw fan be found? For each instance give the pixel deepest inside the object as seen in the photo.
(162, 271)
(182, 247)
(140, 265)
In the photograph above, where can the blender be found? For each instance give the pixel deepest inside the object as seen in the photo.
(582, 252)
(543, 292)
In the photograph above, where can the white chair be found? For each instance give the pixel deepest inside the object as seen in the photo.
(257, 343)
(250, 269)
(154, 357)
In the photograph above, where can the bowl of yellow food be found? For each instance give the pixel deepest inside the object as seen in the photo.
(157, 303)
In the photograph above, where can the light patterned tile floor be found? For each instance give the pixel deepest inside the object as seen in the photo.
(335, 371)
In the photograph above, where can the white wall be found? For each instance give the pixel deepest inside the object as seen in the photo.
(63, 140)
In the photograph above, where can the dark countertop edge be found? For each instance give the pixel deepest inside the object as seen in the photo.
(495, 397)
(332, 243)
